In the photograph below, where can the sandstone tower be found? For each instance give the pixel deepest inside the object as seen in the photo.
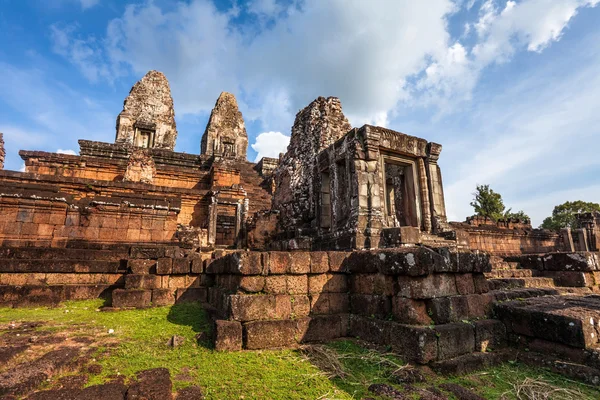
(148, 117)
(225, 135)
(316, 127)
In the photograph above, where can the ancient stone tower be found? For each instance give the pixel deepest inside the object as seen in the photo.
(225, 135)
(148, 117)
(316, 127)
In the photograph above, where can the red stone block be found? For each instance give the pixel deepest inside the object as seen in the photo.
(319, 262)
(270, 334)
(228, 335)
(300, 263)
(409, 311)
(122, 298)
(279, 262)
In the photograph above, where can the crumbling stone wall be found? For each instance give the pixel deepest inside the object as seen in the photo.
(31, 216)
(225, 135)
(148, 116)
(316, 127)
(413, 300)
(513, 240)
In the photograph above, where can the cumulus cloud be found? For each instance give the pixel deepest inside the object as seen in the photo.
(270, 144)
(400, 53)
(68, 152)
(85, 4)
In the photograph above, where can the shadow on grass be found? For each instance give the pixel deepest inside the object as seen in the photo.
(193, 314)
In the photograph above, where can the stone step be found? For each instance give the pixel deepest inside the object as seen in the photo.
(510, 283)
(509, 273)
(472, 362)
(569, 320)
(39, 253)
(49, 295)
(61, 266)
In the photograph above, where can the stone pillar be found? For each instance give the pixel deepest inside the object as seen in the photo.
(439, 221)
(425, 204)
(2, 151)
(567, 239)
(582, 240)
(212, 221)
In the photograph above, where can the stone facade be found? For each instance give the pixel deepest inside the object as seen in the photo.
(148, 116)
(225, 135)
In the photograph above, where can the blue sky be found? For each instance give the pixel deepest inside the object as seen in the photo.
(511, 89)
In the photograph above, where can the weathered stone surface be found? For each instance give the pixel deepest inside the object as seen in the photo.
(140, 167)
(317, 126)
(151, 384)
(489, 335)
(2, 151)
(163, 297)
(270, 334)
(455, 340)
(225, 135)
(427, 287)
(228, 335)
(122, 298)
(148, 116)
(409, 311)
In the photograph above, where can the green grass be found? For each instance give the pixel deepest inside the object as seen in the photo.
(142, 336)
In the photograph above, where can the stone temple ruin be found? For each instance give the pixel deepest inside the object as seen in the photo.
(345, 235)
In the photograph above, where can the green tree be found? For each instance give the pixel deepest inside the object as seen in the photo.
(564, 215)
(517, 215)
(488, 203)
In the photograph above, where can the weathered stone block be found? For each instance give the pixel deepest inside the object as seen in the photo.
(316, 283)
(164, 266)
(147, 252)
(371, 305)
(252, 284)
(321, 328)
(300, 306)
(489, 335)
(122, 298)
(337, 261)
(279, 262)
(269, 334)
(571, 262)
(319, 262)
(427, 287)
(297, 284)
(410, 312)
(418, 344)
(181, 266)
(135, 281)
(138, 266)
(329, 303)
(480, 283)
(464, 284)
(187, 295)
(248, 263)
(276, 284)
(163, 297)
(455, 340)
(300, 263)
(228, 335)
(372, 284)
(259, 307)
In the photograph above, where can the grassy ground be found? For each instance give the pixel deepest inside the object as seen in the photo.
(340, 370)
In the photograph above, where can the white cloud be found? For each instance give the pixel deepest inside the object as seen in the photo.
(85, 54)
(68, 152)
(85, 4)
(270, 144)
(23, 168)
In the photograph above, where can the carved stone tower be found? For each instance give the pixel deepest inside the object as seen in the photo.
(148, 117)
(225, 135)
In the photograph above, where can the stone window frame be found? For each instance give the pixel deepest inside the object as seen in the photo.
(411, 166)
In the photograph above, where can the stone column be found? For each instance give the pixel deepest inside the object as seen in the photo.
(2, 151)
(425, 204)
(212, 221)
(439, 220)
(567, 239)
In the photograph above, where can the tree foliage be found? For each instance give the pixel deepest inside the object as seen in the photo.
(488, 203)
(564, 215)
